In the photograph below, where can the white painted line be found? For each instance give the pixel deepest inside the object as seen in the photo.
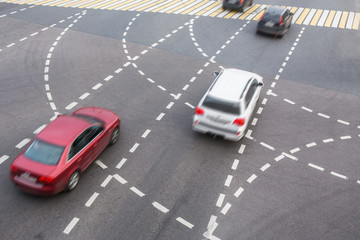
(150, 80)
(161, 115)
(137, 191)
(289, 156)
(39, 129)
(307, 109)
(220, 200)
(288, 101)
(309, 17)
(118, 70)
(252, 178)
(71, 105)
(121, 163)
(106, 181)
(120, 179)
(343, 122)
(146, 133)
(52, 105)
(345, 137)
(22, 143)
(10, 45)
(141, 72)
(235, 164)
(323, 18)
(189, 105)
(328, 140)
(311, 144)
(91, 199)
(226, 208)
(228, 180)
(278, 158)
(3, 158)
(161, 87)
(350, 20)
(336, 19)
(160, 207)
(241, 149)
(267, 146)
(254, 121)
(200, 71)
(338, 175)
(273, 84)
(97, 86)
(185, 87)
(238, 192)
(23, 39)
(248, 134)
(294, 150)
(101, 164)
(85, 95)
(192, 79)
(184, 222)
(323, 115)
(264, 101)
(277, 77)
(259, 111)
(170, 105)
(316, 167)
(127, 64)
(266, 166)
(71, 225)
(108, 78)
(134, 147)
(49, 96)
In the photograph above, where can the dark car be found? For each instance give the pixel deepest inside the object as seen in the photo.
(54, 159)
(236, 4)
(275, 21)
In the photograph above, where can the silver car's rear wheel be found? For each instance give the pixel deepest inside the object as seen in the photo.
(73, 181)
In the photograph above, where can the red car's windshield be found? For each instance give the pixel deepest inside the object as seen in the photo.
(44, 152)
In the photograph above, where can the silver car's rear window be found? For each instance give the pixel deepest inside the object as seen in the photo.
(44, 152)
(221, 105)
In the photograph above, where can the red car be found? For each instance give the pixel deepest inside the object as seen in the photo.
(55, 158)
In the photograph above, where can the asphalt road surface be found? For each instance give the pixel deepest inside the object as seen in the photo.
(295, 175)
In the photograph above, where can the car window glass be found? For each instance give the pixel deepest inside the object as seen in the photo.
(271, 16)
(79, 143)
(249, 95)
(44, 152)
(221, 105)
(93, 131)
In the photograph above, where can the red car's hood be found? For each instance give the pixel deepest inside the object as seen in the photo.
(25, 164)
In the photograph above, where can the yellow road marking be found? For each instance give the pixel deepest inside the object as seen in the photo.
(293, 9)
(330, 19)
(119, 5)
(208, 8)
(356, 21)
(216, 12)
(150, 5)
(302, 16)
(90, 3)
(135, 5)
(257, 17)
(74, 3)
(58, 3)
(248, 12)
(230, 14)
(180, 6)
(316, 17)
(104, 4)
(193, 7)
(165, 6)
(343, 19)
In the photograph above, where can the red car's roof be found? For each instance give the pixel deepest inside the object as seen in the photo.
(63, 130)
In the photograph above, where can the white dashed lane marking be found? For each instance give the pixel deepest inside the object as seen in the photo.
(267, 146)
(235, 164)
(312, 144)
(102, 165)
(22, 143)
(120, 179)
(242, 149)
(238, 192)
(137, 191)
(184, 222)
(226, 208)
(161, 115)
(220, 200)
(91, 199)
(134, 147)
(71, 225)
(146, 133)
(39, 129)
(328, 140)
(251, 178)
(121, 163)
(266, 166)
(228, 180)
(338, 175)
(3, 158)
(316, 167)
(160, 207)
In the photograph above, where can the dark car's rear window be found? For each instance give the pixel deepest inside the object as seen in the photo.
(44, 152)
(272, 16)
(220, 105)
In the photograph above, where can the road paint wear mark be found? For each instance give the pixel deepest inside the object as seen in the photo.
(71, 105)
(3, 158)
(266, 166)
(316, 167)
(91, 199)
(71, 225)
(226, 208)
(267, 146)
(220, 200)
(22, 143)
(251, 178)
(121, 163)
(160, 207)
(120, 179)
(137, 191)
(161, 115)
(134, 147)
(338, 175)
(106, 181)
(146, 133)
(101, 164)
(228, 180)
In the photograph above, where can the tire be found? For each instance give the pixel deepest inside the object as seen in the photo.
(114, 136)
(73, 181)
